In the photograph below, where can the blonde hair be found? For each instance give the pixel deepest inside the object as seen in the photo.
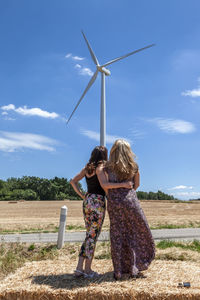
(121, 160)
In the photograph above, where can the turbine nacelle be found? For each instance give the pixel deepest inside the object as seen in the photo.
(106, 72)
(103, 70)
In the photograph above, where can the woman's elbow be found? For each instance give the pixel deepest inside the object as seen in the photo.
(103, 185)
(136, 186)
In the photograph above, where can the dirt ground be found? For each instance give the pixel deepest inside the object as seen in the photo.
(45, 214)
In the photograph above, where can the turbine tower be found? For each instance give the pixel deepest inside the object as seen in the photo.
(104, 72)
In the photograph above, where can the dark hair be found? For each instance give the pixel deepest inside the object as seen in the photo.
(99, 155)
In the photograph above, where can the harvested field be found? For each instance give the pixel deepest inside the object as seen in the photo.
(45, 214)
(47, 280)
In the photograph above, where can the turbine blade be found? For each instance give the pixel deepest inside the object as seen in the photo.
(92, 80)
(91, 51)
(124, 56)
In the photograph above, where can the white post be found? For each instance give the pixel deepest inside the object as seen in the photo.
(103, 112)
(61, 232)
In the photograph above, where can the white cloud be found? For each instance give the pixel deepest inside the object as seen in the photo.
(77, 58)
(137, 134)
(36, 112)
(30, 111)
(182, 187)
(69, 55)
(82, 70)
(77, 66)
(86, 71)
(193, 93)
(8, 107)
(16, 141)
(187, 195)
(4, 113)
(110, 139)
(8, 118)
(91, 134)
(174, 125)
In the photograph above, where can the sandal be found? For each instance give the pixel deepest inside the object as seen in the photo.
(91, 275)
(78, 273)
(138, 275)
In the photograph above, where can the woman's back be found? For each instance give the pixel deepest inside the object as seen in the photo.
(93, 185)
(118, 194)
(132, 246)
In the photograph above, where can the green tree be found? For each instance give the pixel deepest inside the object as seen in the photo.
(5, 194)
(13, 183)
(30, 195)
(17, 194)
(142, 195)
(2, 184)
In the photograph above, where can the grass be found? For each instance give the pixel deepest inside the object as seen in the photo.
(174, 226)
(29, 230)
(55, 229)
(75, 227)
(171, 256)
(41, 230)
(103, 250)
(193, 246)
(15, 255)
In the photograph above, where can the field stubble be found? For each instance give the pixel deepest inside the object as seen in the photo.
(44, 215)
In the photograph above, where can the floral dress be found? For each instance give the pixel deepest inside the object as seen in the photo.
(132, 244)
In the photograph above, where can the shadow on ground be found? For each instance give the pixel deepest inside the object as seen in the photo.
(69, 282)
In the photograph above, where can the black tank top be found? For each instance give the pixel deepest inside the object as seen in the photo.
(93, 185)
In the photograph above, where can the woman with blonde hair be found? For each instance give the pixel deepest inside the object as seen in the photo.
(132, 245)
(93, 207)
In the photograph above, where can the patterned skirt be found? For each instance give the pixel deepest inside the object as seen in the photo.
(94, 212)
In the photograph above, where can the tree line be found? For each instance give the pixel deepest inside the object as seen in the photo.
(35, 188)
(159, 195)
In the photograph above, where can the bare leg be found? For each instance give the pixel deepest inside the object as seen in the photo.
(79, 266)
(88, 263)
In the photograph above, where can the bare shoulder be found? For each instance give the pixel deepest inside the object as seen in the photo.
(136, 174)
(99, 168)
(83, 171)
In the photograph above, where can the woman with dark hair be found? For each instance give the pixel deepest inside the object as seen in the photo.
(132, 244)
(93, 207)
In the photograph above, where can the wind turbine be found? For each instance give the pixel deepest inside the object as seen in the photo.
(104, 72)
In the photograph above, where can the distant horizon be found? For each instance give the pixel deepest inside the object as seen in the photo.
(83, 183)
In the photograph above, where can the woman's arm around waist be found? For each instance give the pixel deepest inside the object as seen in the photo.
(106, 185)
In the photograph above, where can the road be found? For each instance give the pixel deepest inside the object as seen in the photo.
(185, 234)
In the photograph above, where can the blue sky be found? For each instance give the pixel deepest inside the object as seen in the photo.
(152, 97)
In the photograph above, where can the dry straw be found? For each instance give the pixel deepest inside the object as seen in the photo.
(53, 280)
